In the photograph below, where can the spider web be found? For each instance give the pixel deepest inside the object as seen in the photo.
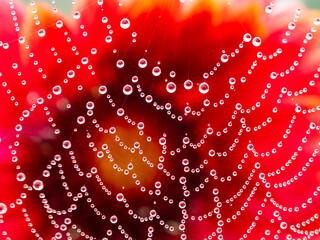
(133, 142)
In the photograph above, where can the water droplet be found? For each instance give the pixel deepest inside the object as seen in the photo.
(108, 39)
(22, 40)
(120, 197)
(149, 98)
(256, 41)
(125, 23)
(90, 105)
(127, 89)
(3, 208)
(84, 60)
(120, 63)
(41, 33)
(156, 71)
(102, 89)
(21, 177)
(37, 185)
(171, 87)
(224, 58)
(142, 63)
(247, 37)
(309, 36)
(273, 75)
(188, 84)
(104, 20)
(81, 120)
(268, 9)
(66, 144)
(59, 24)
(283, 225)
(56, 90)
(71, 74)
(113, 219)
(232, 81)
(76, 15)
(172, 74)
(120, 112)
(182, 204)
(18, 127)
(204, 88)
(25, 113)
(153, 213)
(291, 25)
(316, 21)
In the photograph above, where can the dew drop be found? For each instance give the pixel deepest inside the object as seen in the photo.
(3, 208)
(127, 89)
(71, 74)
(56, 90)
(66, 144)
(21, 177)
(182, 204)
(291, 25)
(102, 89)
(125, 23)
(22, 40)
(268, 9)
(120, 197)
(120, 63)
(204, 88)
(41, 33)
(316, 21)
(84, 60)
(224, 58)
(104, 20)
(18, 127)
(188, 84)
(283, 225)
(59, 24)
(247, 37)
(156, 71)
(37, 185)
(142, 63)
(171, 87)
(256, 41)
(113, 219)
(108, 39)
(90, 105)
(309, 36)
(120, 112)
(232, 81)
(81, 120)
(76, 15)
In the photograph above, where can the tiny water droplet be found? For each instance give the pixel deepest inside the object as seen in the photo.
(171, 87)
(125, 23)
(41, 33)
(37, 185)
(204, 88)
(127, 89)
(76, 15)
(66, 144)
(56, 90)
(156, 71)
(256, 41)
(3, 208)
(59, 24)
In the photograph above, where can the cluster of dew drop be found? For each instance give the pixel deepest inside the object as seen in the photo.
(264, 179)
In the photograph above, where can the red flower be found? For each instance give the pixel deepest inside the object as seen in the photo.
(159, 120)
